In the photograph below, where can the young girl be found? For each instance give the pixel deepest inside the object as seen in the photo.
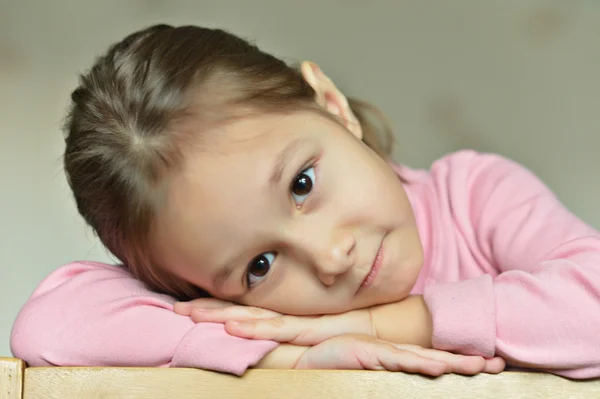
(209, 167)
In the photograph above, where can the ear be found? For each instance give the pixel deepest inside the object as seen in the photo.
(330, 97)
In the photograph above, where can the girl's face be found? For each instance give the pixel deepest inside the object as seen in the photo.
(292, 213)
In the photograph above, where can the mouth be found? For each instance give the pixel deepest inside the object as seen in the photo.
(374, 268)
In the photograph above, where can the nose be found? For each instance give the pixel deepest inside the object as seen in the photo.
(336, 259)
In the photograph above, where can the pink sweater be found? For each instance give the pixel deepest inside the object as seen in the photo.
(508, 272)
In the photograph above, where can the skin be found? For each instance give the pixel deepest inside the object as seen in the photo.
(336, 208)
(320, 244)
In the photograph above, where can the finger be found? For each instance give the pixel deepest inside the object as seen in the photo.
(236, 313)
(297, 330)
(281, 329)
(459, 364)
(410, 362)
(495, 365)
(185, 308)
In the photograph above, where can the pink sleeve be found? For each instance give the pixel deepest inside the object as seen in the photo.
(92, 314)
(541, 309)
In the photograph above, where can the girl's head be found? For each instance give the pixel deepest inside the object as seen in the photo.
(208, 166)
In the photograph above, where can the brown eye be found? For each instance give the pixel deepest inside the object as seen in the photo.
(303, 185)
(259, 267)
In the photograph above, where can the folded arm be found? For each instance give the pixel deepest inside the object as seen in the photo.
(542, 309)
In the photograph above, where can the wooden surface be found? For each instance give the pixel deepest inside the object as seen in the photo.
(11, 378)
(92, 383)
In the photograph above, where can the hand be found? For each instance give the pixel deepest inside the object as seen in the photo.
(358, 352)
(185, 308)
(404, 322)
(325, 332)
(256, 323)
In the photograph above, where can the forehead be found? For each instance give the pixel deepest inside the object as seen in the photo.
(248, 132)
(247, 143)
(245, 146)
(222, 190)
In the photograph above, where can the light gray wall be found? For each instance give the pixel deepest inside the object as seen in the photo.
(513, 76)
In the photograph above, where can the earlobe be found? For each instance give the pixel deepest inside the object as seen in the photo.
(330, 97)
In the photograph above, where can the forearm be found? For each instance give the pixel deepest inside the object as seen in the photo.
(285, 356)
(404, 322)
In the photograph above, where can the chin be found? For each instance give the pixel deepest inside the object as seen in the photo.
(316, 312)
(389, 297)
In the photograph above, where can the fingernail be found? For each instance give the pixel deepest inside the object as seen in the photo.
(240, 324)
(235, 324)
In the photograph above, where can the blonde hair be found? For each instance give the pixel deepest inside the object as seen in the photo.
(124, 136)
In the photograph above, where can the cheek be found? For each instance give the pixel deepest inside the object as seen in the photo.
(294, 296)
(375, 196)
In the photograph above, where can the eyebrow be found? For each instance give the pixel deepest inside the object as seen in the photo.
(284, 155)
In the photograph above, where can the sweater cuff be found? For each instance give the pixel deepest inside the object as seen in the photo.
(208, 346)
(464, 316)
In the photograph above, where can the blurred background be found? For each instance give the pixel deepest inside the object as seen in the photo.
(515, 77)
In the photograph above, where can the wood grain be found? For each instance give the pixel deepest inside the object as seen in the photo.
(11, 378)
(92, 383)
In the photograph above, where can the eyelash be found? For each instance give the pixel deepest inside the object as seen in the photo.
(315, 187)
(312, 165)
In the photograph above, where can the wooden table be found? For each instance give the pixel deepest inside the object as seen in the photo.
(18, 381)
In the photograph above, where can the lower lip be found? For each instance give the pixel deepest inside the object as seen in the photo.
(375, 269)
